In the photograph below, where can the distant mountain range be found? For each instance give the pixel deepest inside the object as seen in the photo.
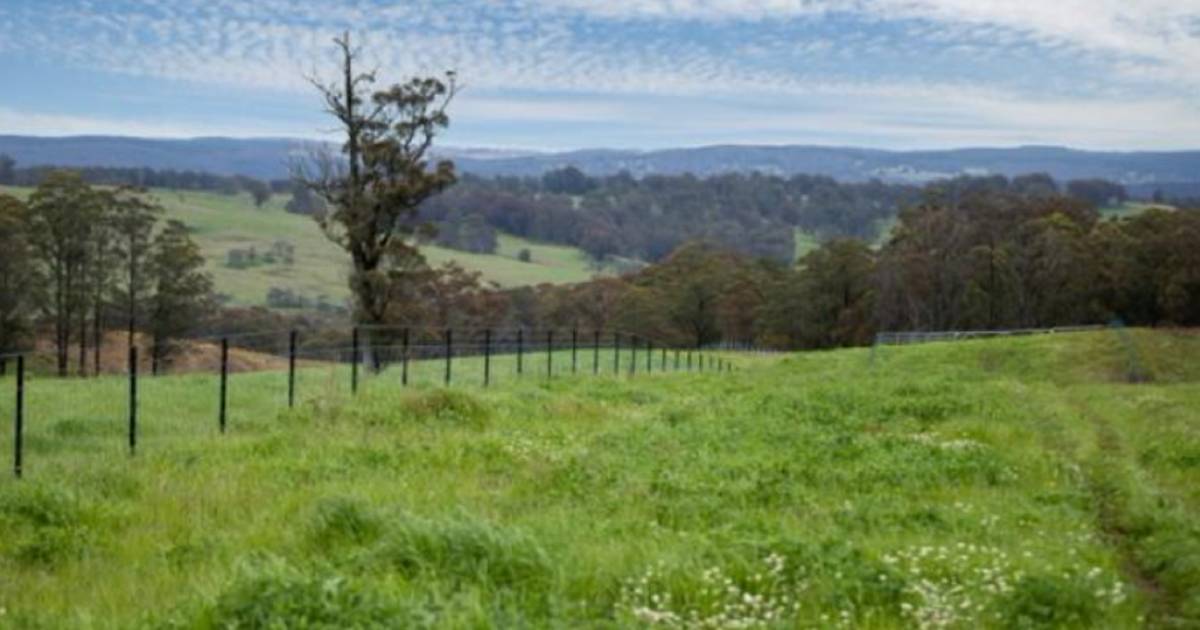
(269, 159)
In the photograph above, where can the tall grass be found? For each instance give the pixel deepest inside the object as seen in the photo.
(1003, 483)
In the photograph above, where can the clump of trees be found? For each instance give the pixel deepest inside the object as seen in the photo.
(259, 190)
(648, 218)
(76, 258)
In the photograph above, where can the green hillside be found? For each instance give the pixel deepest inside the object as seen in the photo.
(225, 222)
(985, 484)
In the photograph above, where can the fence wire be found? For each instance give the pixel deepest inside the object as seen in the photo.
(140, 396)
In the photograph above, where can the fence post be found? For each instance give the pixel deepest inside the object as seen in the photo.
(354, 361)
(404, 361)
(3, 366)
(649, 357)
(663, 366)
(574, 349)
(292, 369)
(224, 381)
(550, 353)
(633, 345)
(487, 357)
(520, 344)
(616, 353)
(596, 352)
(677, 359)
(689, 360)
(133, 400)
(19, 417)
(449, 352)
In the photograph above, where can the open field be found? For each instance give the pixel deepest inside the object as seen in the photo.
(225, 222)
(1003, 483)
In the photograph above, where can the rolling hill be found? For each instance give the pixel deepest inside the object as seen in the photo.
(221, 223)
(269, 158)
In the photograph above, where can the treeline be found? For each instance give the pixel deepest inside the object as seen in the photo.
(972, 253)
(261, 191)
(76, 260)
(648, 218)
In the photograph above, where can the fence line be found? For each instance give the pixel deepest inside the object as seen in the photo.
(350, 359)
(910, 337)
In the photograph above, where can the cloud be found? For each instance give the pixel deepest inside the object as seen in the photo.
(24, 122)
(917, 72)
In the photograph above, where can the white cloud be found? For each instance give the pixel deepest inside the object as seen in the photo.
(22, 122)
(565, 61)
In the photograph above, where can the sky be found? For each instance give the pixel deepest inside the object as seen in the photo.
(567, 74)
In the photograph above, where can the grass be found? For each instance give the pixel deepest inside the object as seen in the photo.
(1130, 209)
(1000, 483)
(224, 222)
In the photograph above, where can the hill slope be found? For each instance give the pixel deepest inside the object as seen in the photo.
(1002, 483)
(221, 223)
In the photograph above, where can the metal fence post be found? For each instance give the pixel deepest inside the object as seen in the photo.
(649, 357)
(224, 382)
(676, 359)
(550, 353)
(663, 366)
(596, 352)
(689, 360)
(133, 399)
(487, 357)
(520, 343)
(354, 361)
(292, 369)
(19, 418)
(633, 344)
(404, 360)
(616, 353)
(449, 352)
(574, 350)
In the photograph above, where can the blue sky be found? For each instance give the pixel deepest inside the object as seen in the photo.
(559, 74)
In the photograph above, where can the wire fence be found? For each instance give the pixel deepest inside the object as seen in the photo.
(217, 384)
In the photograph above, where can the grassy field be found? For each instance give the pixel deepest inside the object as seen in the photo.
(225, 222)
(1002, 483)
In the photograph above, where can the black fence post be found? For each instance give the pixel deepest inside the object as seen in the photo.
(224, 382)
(676, 359)
(649, 357)
(596, 352)
(3, 367)
(633, 344)
(689, 361)
(663, 365)
(487, 357)
(449, 352)
(292, 369)
(133, 399)
(354, 361)
(19, 418)
(550, 353)
(404, 361)
(616, 353)
(574, 350)
(520, 344)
